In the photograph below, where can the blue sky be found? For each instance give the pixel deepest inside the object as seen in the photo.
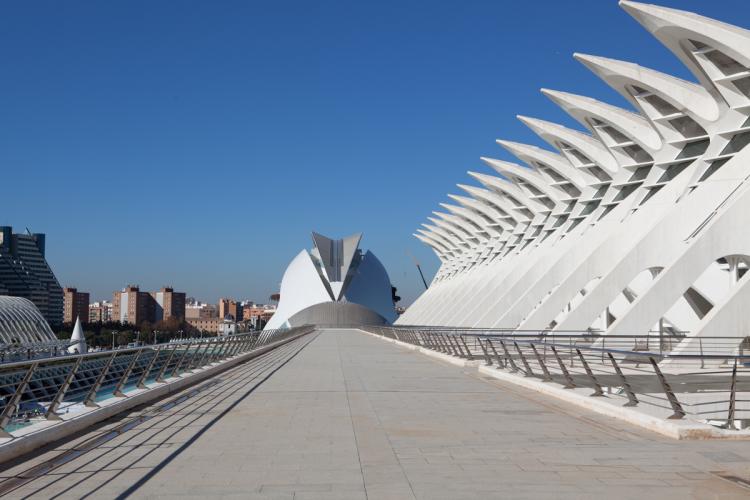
(198, 143)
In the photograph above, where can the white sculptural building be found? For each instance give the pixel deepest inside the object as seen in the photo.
(334, 284)
(635, 222)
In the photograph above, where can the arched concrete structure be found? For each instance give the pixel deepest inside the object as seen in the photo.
(663, 186)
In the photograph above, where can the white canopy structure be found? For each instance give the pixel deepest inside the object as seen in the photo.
(334, 284)
(635, 224)
(22, 323)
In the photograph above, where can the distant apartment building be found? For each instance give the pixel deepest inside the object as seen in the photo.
(230, 307)
(201, 311)
(24, 272)
(219, 326)
(75, 305)
(100, 312)
(257, 313)
(168, 304)
(208, 325)
(132, 306)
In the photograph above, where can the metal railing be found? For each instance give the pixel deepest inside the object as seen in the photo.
(671, 376)
(44, 389)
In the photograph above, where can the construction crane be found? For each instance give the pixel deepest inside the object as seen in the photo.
(419, 268)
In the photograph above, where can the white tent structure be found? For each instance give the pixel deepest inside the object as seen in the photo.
(636, 222)
(334, 284)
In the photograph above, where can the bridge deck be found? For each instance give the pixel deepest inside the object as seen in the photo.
(345, 415)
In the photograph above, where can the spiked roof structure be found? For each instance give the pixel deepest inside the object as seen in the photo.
(633, 222)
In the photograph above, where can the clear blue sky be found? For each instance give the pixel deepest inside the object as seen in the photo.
(198, 143)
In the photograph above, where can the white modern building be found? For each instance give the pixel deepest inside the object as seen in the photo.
(22, 324)
(334, 284)
(636, 221)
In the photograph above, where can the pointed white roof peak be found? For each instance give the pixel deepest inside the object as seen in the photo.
(693, 98)
(671, 26)
(629, 123)
(585, 143)
(77, 339)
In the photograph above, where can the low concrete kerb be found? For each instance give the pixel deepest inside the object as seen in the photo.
(675, 429)
(42, 433)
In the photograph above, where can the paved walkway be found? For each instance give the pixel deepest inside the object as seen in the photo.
(350, 416)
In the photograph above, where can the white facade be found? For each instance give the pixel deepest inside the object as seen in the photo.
(21, 322)
(637, 222)
(334, 271)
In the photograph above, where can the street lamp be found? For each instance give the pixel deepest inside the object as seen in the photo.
(114, 332)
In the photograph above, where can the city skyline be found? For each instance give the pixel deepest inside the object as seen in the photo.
(177, 148)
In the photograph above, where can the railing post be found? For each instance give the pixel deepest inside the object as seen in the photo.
(121, 383)
(229, 348)
(449, 342)
(443, 343)
(12, 405)
(159, 377)
(732, 396)
(224, 350)
(199, 364)
(676, 406)
(452, 348)
(430, 341)
(238, 348)
(528, 372)
(457, 349)
(142, 381)
(632, 400)
(90, 399)
(51, 413)
(243, 346)
(176, 369)
(255, 341)
(513, 366)
(468, 351)
(449, 349)
(487, 359)
(597, 388)
(547, 377)
(216, 353)
(239, 342)
(569, 383)
(500, 362)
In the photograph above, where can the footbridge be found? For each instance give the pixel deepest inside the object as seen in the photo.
(351, 413)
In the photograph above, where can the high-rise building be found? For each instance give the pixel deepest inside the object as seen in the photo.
(168, 304)
(229, 307)
(75, 305)
(24, 272)
(131, 306)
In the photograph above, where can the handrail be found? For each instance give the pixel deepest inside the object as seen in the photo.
(711, 387)
(42, 388)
